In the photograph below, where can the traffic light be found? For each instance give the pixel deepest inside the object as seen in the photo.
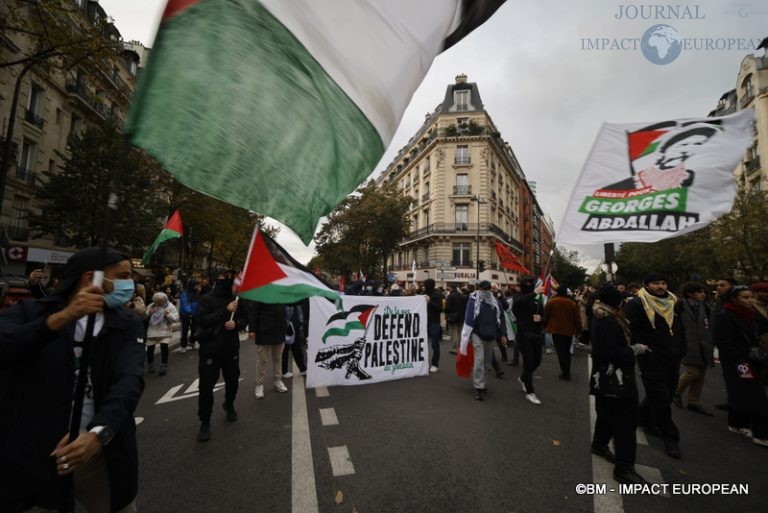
(481, 265)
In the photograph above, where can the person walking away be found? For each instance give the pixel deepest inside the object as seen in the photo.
(435, 331)
(41, 342)
(696, 316)
(267, 327)
(563, 323)
(189, 299)
(654, 323)
(484, 324)
(455, 306)
(162, 314)
(760, 292)
(294, 341)
(612, 382)
(220, 316)
(529, 313)
(742, 361)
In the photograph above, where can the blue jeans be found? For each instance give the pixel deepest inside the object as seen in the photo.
(435, 334)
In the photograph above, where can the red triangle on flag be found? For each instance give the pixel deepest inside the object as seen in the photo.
(174, 223)
(260, 266)
(639, 141)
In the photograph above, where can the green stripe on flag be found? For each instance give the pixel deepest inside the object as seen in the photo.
(164, 235)
(287, 294)
(343, 332)
(234, 106)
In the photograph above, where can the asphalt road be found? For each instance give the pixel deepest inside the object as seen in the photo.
(420, 445)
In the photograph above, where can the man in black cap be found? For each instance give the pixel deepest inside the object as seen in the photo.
(41, 342)
(654, 323)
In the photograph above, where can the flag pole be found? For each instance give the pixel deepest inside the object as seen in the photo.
(67, 498)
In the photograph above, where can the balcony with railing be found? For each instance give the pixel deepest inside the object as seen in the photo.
(462, 190)
(79, 90)
(464, 229)
(752, 166)
(34, 119)
(25, 175)
(18, 234)
(461, 160)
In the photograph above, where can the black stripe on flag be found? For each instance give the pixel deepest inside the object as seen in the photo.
(473, 14)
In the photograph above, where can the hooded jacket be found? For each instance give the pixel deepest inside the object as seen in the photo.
(36, 391)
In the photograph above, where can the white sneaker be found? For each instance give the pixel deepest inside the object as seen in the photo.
(532, 398)
(288, 375)
(433, 369)
(183, 349)
(259, 392)
(280, 387)
(761, 441)
(548, 350)
(519, 380)
(741, 431)
(303, 373)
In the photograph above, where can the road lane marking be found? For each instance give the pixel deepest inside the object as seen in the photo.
(652, 475)
(192, 391)
(303, 488)
(341, 464)
(328, 417)
(322, 392)
(138, 420)
(641, 438)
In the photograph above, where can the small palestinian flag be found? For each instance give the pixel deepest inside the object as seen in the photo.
(173, 229)
(271, 275)
(343, 324)
(285, 107)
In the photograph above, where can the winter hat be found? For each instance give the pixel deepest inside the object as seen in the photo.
(608, 295)
(653, 276)
(429, 285)
(83, 261)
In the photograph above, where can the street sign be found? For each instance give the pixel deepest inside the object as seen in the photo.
(16, 253)
(609, 269)
(445, 275)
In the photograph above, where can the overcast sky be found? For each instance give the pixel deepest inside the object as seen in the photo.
(546, 90)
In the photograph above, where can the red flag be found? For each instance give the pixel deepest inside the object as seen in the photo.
(508, 260)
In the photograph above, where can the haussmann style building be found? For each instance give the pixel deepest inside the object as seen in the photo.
(470, 193)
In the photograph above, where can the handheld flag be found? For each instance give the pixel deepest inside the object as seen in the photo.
(285, 107)
(173, 229)
(646, 182)
(508, 260)
(271, 275)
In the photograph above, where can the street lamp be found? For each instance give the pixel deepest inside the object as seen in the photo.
(479, 201)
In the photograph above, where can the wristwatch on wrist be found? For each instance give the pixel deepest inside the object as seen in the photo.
(104, 433)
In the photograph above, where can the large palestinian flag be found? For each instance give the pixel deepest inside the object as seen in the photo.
(284, 107)
(271, 275)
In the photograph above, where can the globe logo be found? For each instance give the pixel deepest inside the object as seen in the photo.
(661, 44)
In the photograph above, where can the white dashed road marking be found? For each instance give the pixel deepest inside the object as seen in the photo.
(328, 417)
(322, 392)
(303, 488)
(341, 464)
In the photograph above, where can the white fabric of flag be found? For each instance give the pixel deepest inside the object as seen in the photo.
(644, 182)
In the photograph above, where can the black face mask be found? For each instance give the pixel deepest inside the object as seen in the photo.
(224, 285)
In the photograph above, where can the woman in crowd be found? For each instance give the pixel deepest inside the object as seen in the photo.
(612, 382)
(742, 360)
(162, 314)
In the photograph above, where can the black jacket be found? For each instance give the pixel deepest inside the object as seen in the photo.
(268, 322)
(525, 306)
(611, 347)
(658, 339)
(455, 304)
(211, 315)
(36, 388)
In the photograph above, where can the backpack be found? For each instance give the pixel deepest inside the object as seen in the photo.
(486, 323)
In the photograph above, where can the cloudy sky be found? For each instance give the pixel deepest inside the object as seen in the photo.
(546, 86)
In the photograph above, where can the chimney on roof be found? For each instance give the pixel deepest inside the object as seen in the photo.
(461, 79)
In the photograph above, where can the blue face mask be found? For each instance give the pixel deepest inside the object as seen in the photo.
(122, 293)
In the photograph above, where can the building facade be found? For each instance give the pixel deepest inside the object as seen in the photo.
(469, 193)
(51, 105)
(751, 91)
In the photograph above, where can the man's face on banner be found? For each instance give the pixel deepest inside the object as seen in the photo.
(679, 151)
